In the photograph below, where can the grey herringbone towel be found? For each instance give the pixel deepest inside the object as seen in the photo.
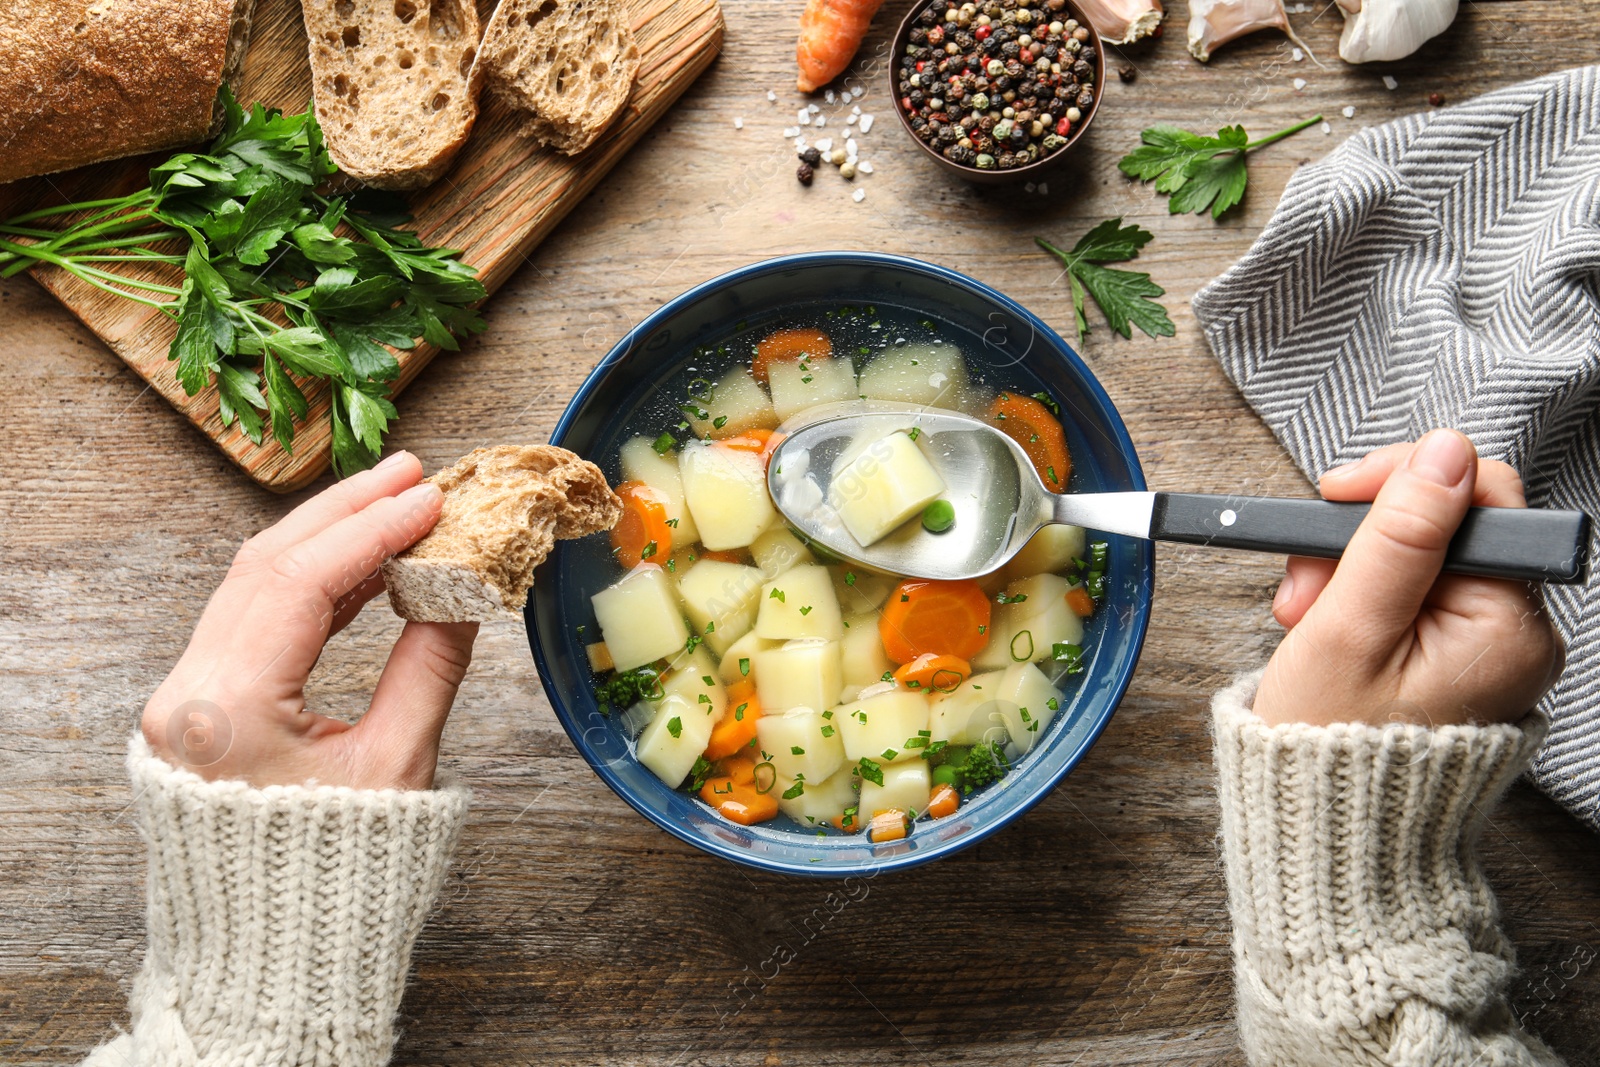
(1444, 270)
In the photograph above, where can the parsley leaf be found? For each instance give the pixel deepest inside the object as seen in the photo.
(1123, 295)
(1199, 173)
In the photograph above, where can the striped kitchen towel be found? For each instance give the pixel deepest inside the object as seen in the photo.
(1444, 270)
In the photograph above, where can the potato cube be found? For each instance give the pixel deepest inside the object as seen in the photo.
(879, 727)
(1033, 620)
(642, 463)
(916, 374)
(906, 787)
(797, 674)
(800, 603)
(969, 714)
(639, 618)
(861, 652)
(1050, 551)
(720, 600)
(726, 492)
(809, 382)
(1027, 701)
(739, 660)
(673, 739)
(800, 743)
(777, 550)
(861, 592)
(817, 803)
(889, 482)
(736, 404)
(694, 677)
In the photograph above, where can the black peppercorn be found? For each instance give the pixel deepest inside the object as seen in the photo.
(1085, 98)
(928, 17)
(804, 173)
(949, 134)
(965, 41)
(1083, 68)
(1128, 73)
(1010, 50)
(811, 157)
(918, 98)
(918, 35)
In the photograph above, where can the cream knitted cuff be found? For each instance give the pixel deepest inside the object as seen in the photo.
(280, 919)
(1364, 931)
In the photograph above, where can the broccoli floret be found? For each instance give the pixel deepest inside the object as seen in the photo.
(627, 688)
(984, 764)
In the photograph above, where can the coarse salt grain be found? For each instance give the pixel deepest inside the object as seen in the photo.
(1349, 112)
(821, 120)
(1327, 128)
(1030, 187)
(866, 123)
(856, 110)
(1044, 189)
(772, 97)
(1389, 82)
(805, 117)
(813, 108)
(1297, 55)
(791, 131)
(1299, 83)
(829, 96)
(824, 144)
(851, 121)
(738, 123)
(851, 146)
(859, 195)
(864, 167)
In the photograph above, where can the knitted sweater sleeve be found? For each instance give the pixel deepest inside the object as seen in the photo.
(280, 920)
(1364, 931)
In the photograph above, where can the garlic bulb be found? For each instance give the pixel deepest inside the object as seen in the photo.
(1377, 30)
(1122, 21)
(1213, 23)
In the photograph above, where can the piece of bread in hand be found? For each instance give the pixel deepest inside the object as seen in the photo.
(568, 65)
(83, 81)
(504, 507)
(395, 84)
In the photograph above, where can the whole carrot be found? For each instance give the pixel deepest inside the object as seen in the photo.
(830, 33)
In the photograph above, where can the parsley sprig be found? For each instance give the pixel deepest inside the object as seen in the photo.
(282, 284)
(1199, 172)
(1123, 295)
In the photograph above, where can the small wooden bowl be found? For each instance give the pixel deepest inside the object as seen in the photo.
(1032, 171)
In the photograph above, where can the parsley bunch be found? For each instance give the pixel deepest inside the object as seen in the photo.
(278, 278)
(1198, 172)
(1123, 295)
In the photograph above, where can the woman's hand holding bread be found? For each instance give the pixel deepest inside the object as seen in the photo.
(235, 706)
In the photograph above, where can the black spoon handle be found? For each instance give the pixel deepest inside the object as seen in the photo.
(1532, 544)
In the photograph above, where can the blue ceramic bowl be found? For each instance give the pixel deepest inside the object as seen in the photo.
(1003, 343)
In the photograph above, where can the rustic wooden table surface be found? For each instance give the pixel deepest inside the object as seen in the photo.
(1092, 931)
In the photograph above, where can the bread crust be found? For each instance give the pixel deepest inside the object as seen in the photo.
(88, 80)
(504, 508)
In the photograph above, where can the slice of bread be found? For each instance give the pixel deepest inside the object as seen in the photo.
(396, 85)
(504, 507)
(568, 65)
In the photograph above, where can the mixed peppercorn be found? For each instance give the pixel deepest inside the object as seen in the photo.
(996, 85)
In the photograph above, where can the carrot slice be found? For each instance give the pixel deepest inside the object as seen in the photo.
(757, 442)
(933, 673)
(733, 793)
(944, 801)
(1079, 600)
(738, 726)
(642, 533)
(942, 618)
(787, 346)
(849, 822)
(1030, 424)
(887, 825)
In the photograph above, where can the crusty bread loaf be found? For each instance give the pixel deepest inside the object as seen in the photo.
(88, 80)
(568, 65)
(396, 85)
(503, 509)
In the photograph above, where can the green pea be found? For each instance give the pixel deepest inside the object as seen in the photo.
(944, 774)
(938, 516)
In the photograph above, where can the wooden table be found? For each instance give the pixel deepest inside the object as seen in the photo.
(1093, 931)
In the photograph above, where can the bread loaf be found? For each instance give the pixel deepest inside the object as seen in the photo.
(504, 507)
(395, 84)
(88, 80)
(568, 65)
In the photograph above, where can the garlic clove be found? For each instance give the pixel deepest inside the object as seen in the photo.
(1121, 21)
(1213, 23)
(1378, 30)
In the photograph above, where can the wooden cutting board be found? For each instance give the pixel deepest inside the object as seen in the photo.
(498, 201)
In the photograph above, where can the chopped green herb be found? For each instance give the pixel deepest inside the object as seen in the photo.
(700, 772)
(1069, 656)
(672, 523)
(675, 726)
(806, 610)
(796, 750)
(1024, 652)
(777, 594)
(664, 443)
(849, 577)
(795, 790)
(870, 771)
(694, 642)
(914, 432)
(648, 551)
(766, 775)
(828, 730)
(744, 666)
(720, 421)
(1050, 402)
(738, 712)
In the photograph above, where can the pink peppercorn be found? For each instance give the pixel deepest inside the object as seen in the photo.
(1063, 128)
(981, 33)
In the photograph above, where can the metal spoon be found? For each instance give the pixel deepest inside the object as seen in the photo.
(1000, 503)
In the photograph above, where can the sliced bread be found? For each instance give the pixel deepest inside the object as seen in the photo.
(568, 65)
(396, 85)
(84, 81)
(504, 507)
